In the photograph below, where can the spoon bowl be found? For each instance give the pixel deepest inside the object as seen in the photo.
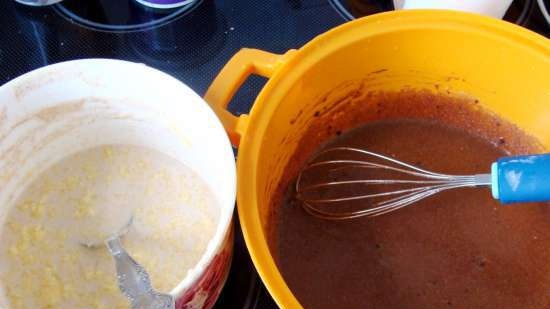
(94, 243)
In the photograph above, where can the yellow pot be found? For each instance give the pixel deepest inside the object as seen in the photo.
(507, 68)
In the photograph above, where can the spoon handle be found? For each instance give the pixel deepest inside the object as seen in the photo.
(134, 281)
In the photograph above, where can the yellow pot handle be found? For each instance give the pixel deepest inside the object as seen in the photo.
(244, 63)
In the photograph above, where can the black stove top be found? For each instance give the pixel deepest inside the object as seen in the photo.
(191, 43)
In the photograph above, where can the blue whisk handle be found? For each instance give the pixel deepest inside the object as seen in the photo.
(521, 179)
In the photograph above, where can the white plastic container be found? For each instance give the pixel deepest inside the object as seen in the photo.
(494, 8)
(58, 110)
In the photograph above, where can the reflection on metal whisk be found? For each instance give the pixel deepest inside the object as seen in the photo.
(395, 184)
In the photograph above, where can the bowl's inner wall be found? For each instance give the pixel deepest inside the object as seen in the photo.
(331, 88)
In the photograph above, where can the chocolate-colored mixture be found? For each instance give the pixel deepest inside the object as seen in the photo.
(458, 249)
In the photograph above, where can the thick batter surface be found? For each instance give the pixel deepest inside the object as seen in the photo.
(458, 249)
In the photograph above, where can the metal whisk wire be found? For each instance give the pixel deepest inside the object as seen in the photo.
(427, 184)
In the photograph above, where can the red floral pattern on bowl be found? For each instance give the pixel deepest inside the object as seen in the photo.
(206, 290)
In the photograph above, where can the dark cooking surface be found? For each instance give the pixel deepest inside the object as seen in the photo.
(458, 249)
(190, 43)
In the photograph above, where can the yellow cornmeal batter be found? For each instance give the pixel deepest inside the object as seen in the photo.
(42, 261)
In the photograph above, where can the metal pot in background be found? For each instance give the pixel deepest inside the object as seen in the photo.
(38, 2)
(157, 4)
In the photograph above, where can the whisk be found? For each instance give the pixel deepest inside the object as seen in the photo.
(360, 183)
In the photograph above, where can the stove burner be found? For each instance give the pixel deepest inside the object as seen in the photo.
(518, 12)
(351, 9)
(120, 15)
(544, 10)
(185, 45)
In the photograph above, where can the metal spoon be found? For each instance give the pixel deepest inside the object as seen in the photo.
(99, 242)
(133, 279)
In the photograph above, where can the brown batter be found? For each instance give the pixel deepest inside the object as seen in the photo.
(458, 249)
